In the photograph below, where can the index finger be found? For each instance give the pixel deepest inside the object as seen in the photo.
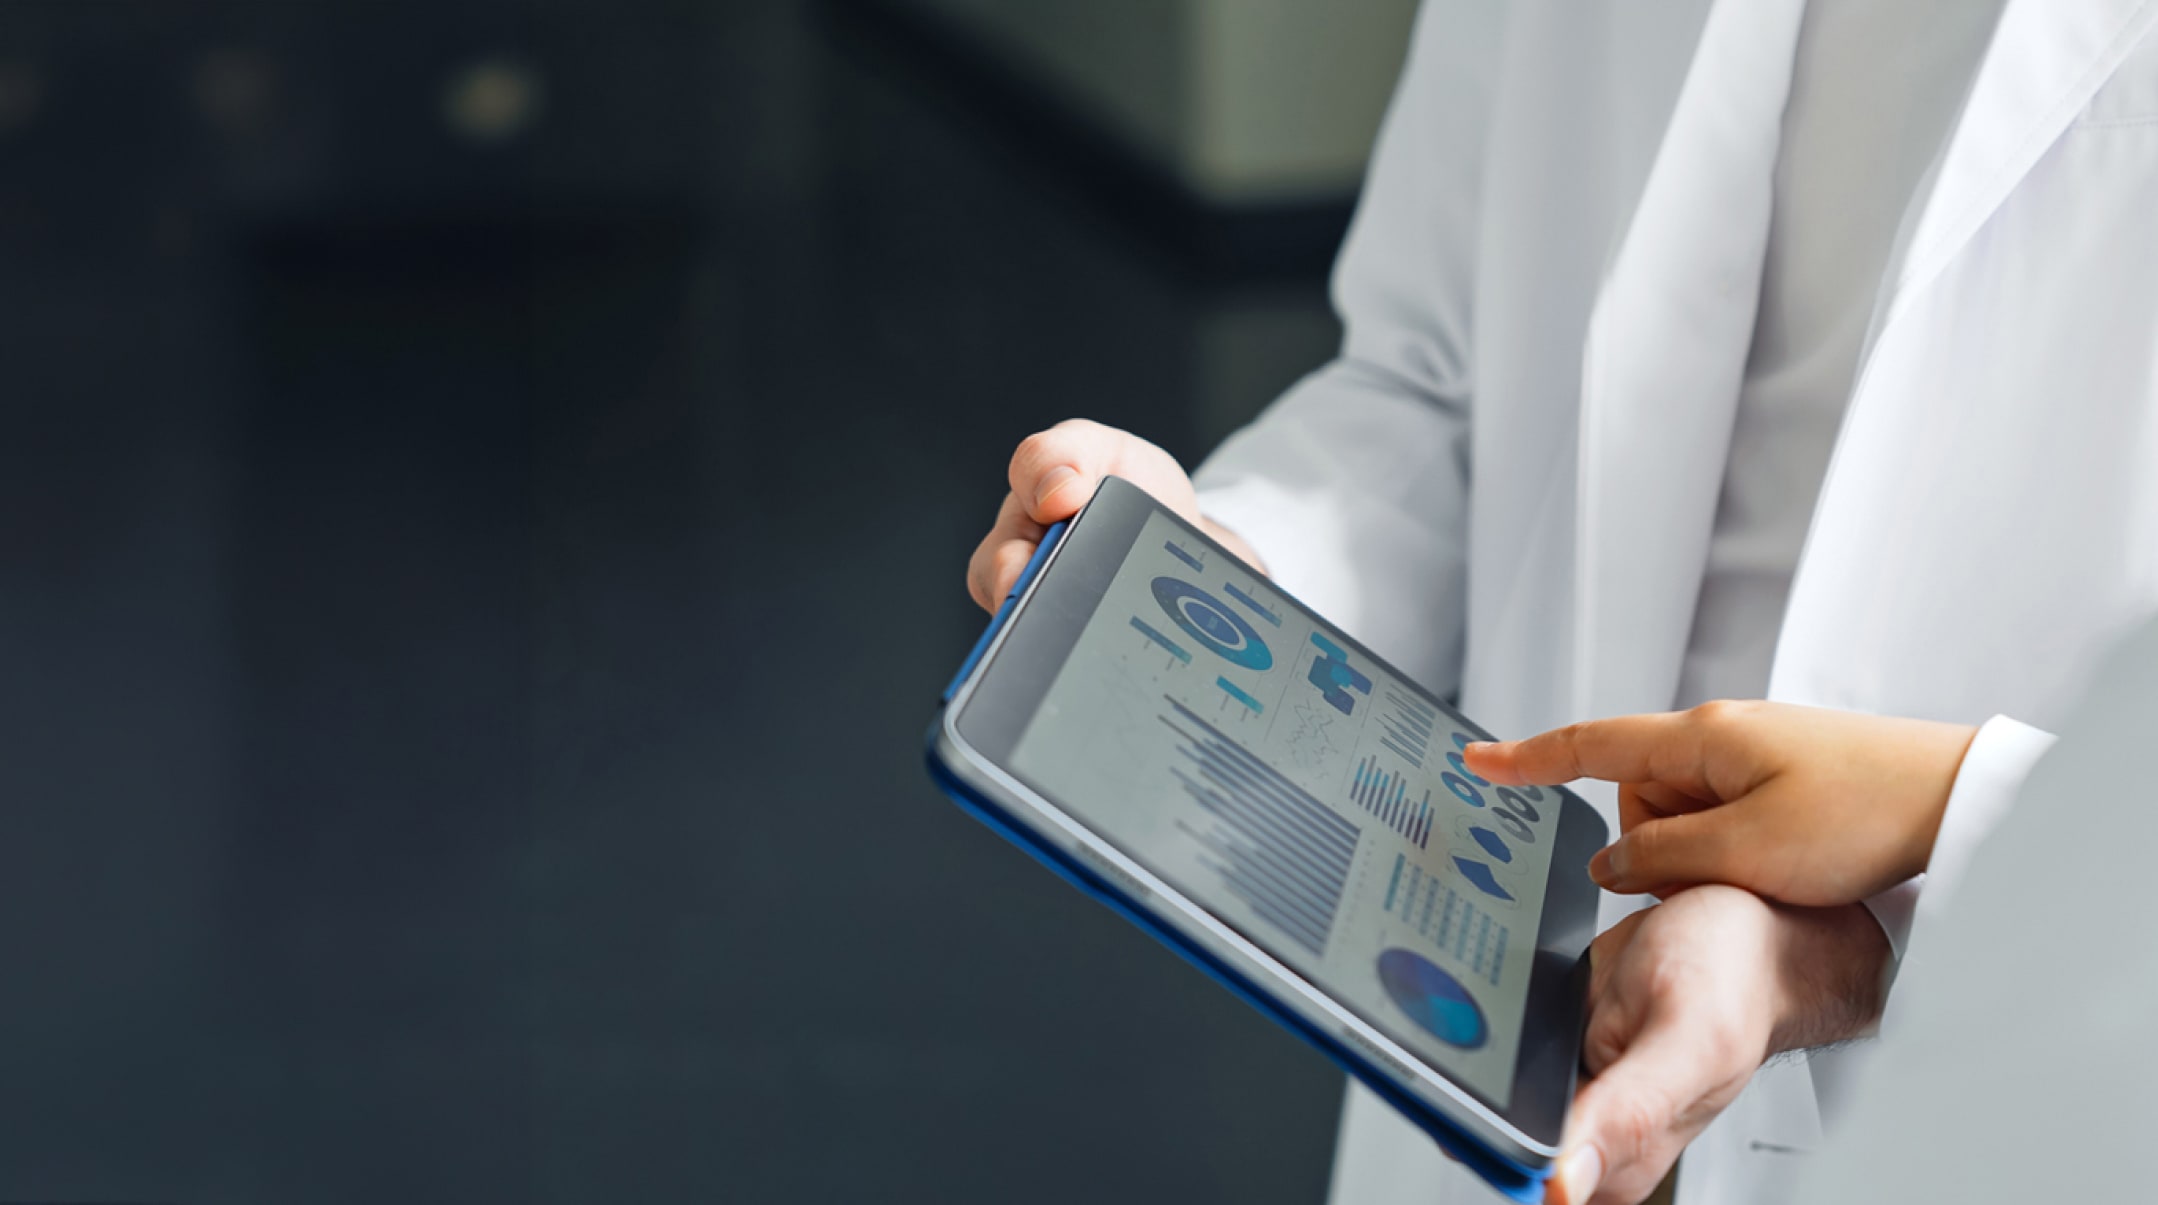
(1626, 749)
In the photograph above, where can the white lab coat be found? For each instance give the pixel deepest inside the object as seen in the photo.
(2018, 1062)
(1507, 481)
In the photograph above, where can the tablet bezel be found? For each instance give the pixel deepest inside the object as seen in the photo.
(998, 699)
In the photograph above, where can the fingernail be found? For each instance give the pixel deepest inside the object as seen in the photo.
(1053, 480)
(1579, 1174)
(1600, 868)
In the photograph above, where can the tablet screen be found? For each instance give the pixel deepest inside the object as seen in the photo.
(1306, 797)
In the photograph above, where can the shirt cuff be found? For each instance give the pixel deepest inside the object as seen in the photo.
(2000, 758)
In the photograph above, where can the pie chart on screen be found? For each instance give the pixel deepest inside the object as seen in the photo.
(1433, 998)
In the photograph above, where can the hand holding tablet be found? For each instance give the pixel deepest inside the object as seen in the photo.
(1157, 722)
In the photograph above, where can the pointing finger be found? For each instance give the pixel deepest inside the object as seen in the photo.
(1626, 749)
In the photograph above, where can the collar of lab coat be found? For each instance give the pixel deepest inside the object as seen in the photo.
(1673, 325)
(2046, 59)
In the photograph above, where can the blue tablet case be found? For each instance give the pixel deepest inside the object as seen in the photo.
(1509, 1178)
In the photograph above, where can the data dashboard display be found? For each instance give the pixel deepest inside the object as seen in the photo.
(1305, 797)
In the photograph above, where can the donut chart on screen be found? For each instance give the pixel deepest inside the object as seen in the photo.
(1209, 621)
(1433, 998)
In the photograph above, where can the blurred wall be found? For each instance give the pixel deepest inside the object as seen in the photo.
(424, 637)
(1242, 102)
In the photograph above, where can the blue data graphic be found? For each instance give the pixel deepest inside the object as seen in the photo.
(1209, 621)
(1160, 641)
(1454, 924)
(1177, 550)
(1407, 722)
(1480, 875)
(1276, 848)
(1493, 844)
(1385, 794)
(1236, 692)
(1252, 604)
(1433, 999)
(1335, 677)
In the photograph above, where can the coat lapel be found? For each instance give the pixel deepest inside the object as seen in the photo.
(2046, 60)
(1665, 357)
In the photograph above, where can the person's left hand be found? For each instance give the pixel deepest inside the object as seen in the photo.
(1686, 999)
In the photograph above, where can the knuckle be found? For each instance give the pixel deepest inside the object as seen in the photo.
(1635, 1123)
(1724, 1046)
(1601, 1047)
(1563, 747)
(1719, 715)
(1714, 714)
(1644, 848)
(1006, 564)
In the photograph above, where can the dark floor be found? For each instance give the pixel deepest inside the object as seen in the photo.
(468, 613)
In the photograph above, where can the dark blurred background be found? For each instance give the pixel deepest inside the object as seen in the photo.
(483, 497)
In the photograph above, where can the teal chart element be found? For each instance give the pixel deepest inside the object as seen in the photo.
(1209, 621)
(1160, 641)
(1336, 678)
(1433, 998)
(1238, 693)
(1252, 604)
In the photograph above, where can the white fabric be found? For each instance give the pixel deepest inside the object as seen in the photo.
(1993, 771)
(1508, 481)
(2017, 1066)
(1874, 90)
(2000, 758)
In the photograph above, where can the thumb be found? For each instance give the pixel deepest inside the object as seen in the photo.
(1630, 1123)
(1712, 846)
(1054, 472)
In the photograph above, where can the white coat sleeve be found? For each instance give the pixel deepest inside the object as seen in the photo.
(2018, 1062)
(2000, 758)
(1353, 487)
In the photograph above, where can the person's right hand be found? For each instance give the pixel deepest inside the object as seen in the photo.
(1053, 474)
(1799, 804)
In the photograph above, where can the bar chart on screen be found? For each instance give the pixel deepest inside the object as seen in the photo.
(1452, 922)
(1406, 722)
(1385, 794)
(1275, 847)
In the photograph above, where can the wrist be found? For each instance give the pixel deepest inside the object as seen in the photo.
(1947, 748)
(1831, 976)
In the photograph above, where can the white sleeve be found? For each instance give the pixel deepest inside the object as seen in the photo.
(2001, 756)
(2018, 1064)
(1353, 487)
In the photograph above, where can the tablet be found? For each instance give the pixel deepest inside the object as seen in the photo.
(1246, 782)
